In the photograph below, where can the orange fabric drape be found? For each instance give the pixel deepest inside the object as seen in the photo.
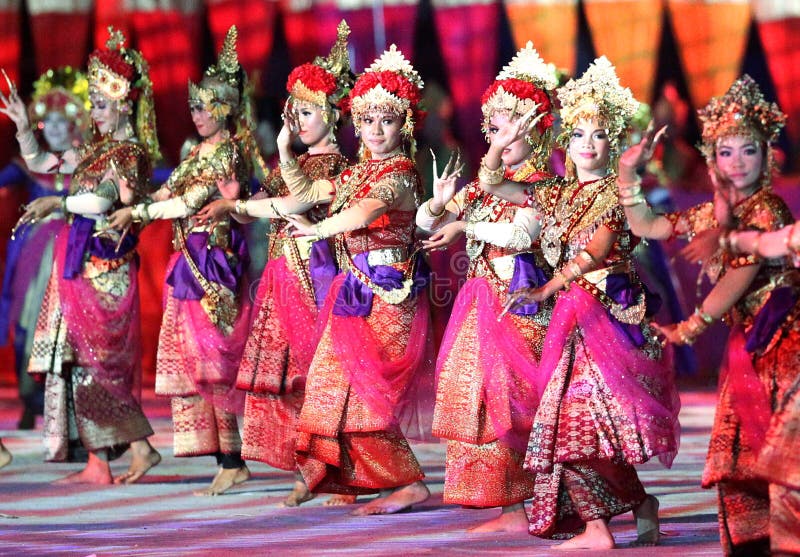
(711, 37)
(781, 40)
(552, 25)
(628, 32)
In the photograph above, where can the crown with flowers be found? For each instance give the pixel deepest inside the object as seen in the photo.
(325, 82)
(741, 111)
(63, 90)
(597, 94)
(113, 70)
(526, 81)
(392, 85)
(218, 91)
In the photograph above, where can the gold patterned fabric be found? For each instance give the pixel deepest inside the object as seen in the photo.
(272, 372)
(93, 407)
(200, 428)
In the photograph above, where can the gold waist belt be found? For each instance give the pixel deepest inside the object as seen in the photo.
(386, 256)
(599, 275)
(503, 266)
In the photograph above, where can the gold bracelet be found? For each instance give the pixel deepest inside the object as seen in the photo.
(733, 241)
(707, 319)
(291, 163)
(489, 176)
(564, 279)
(725, 241)
(319, 232)
(632, 201)
(586, 256)
(575, 269)
(240, 207)
(431, 213)
(756, 244)
(630, 191)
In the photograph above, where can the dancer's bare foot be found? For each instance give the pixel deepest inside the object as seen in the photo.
(647, 526)
(399, 500)
(339, 500)
(596, 536)
(225, 479)
(299, 495)
(97, 471)
(143, 457)
(5, 456)
(512, 519)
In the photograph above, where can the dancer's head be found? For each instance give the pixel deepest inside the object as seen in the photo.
(739, 129)
(525, 82)
(318, 91)
(59, 108)
(385, 105)
(121, 93)
(596, 112)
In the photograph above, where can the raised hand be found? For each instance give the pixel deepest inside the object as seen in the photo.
(38, 209)
(516, 129)
(291, 126)
(445, 236)
(638, 155)
(444, 184)
(12, 105)
(702, 246)
(723, 206)
(214, 211)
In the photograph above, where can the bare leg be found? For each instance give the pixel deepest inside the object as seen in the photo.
(225, 479)
(400, 499)
(300, 493)
(512, 519)
(5, 456)
(97, 471)
(596, 536)
(647, 527)
(339, 500)
(143, 457)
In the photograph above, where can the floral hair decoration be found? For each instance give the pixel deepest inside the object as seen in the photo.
(64, 90)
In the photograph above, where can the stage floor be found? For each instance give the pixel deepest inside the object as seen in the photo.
(161, 516)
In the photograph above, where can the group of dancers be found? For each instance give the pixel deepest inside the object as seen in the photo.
(549, 384)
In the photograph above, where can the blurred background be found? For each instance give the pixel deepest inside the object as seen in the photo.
(673, 54)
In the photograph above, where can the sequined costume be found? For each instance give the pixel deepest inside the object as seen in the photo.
(609, 403)
(374, 338)
(87, 335)
(753, 359)
(282, 341)
(484, 400)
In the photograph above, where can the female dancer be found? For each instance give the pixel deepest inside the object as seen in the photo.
(59, 112)
(609, 403)
(87, 335)
(204, 326)
(282, 341)
(375, 323)
(738, 129)
(484, 403)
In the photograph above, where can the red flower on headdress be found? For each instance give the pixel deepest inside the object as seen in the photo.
(525, 90)
(313, 77)
(391, 81)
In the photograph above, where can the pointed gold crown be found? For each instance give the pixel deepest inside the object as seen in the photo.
(327, 80)
(218, 91)
(597, 94)
(742, 110)
(525, 81)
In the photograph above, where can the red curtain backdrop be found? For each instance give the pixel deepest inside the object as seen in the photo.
(711, 37)
(51, 44)
(255, 20)
(113, 13)
(634, 52)
(467, 34)
(552, 25)
(781, 40)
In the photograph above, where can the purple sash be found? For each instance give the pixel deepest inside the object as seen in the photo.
(212, 264)
(322, 268)
(526, 275)
(80, 242)
(770, 317)
(624, 292)
(354, 298)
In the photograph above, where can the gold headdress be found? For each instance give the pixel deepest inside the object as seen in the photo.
(63, 90)
(122, 74)
(392, 85)
(597, 94)
(218, 91)
(325, 81)
(526, 81)
(741, 111)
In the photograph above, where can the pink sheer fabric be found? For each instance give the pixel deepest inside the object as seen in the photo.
(291, 305)
(507, 362)
(399, 389)
(747, 394)
(645, 387)
(211, 358)
(103, 330)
